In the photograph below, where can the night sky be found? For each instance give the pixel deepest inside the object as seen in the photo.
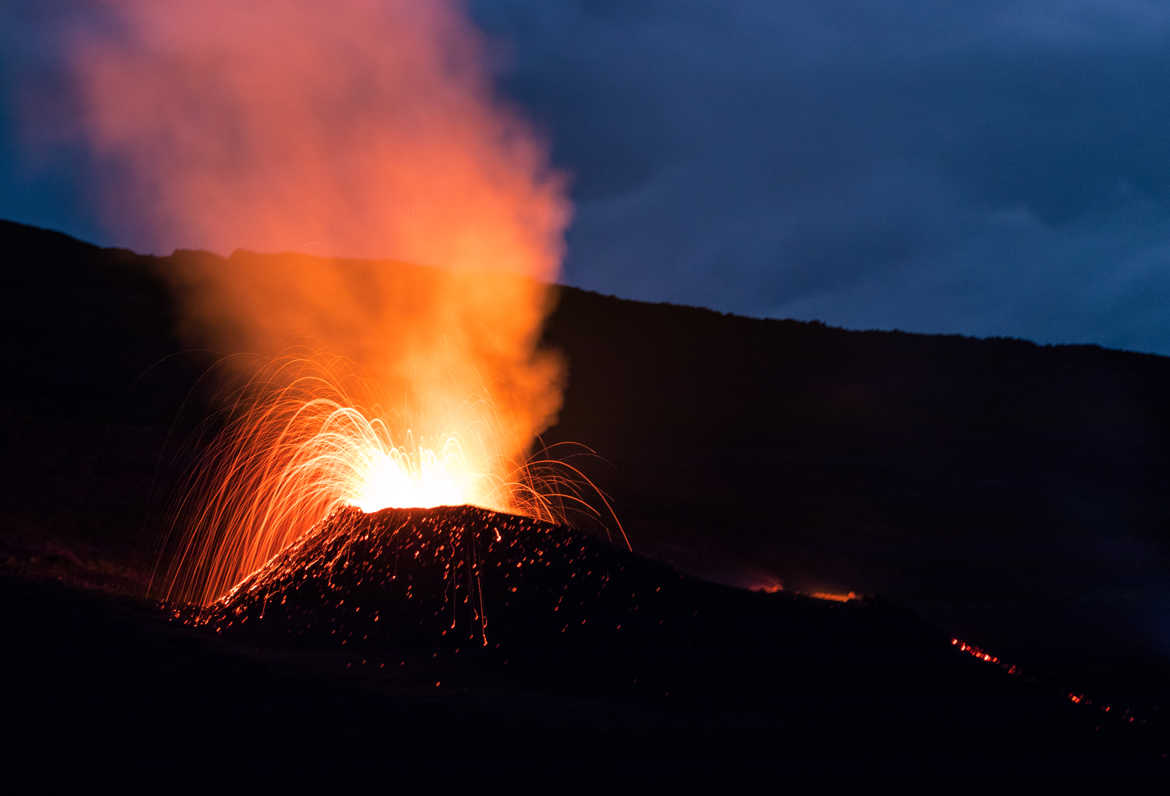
(992, 168)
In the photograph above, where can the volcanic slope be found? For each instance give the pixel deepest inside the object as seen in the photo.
(472, 602)
(455, 577)
(1011, 493)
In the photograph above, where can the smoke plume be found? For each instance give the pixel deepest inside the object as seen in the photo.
(351, 128)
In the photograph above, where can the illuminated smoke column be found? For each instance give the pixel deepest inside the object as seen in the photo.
(351, 128)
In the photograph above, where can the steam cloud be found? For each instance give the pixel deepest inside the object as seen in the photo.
(364, 128)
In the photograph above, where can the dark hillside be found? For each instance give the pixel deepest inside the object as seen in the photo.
(1012, 492)
(358, 644)
(1016, 489)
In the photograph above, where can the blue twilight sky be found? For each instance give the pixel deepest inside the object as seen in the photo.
(990, 168)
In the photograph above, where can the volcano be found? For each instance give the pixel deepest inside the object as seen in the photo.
(469, 601)
(453, 576)
(895, 465)
(388, 630)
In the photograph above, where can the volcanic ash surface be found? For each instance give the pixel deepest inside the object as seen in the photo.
(451, 576)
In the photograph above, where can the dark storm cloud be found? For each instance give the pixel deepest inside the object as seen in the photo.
(991, 168)
(1000, 167)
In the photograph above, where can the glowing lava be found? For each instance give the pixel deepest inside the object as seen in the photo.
(399, 477)
(834, 596)
(292, 455)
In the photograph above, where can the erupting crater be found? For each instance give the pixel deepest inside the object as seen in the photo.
(395, 477)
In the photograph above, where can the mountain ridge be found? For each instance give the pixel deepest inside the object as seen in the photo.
(1013, 491)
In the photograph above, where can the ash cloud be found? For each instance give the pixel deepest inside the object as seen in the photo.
(356, 128)
(999, 168)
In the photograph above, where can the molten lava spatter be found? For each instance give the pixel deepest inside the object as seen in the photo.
(389, 476)
(293, 455)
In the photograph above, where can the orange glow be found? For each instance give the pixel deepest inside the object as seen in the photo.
(977, 653)
(299, 447)
(390, 476)
(833, 596)
(356, 128)
(364, 128)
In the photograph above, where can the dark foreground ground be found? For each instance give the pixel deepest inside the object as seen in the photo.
(1010, 494)
(596, 662)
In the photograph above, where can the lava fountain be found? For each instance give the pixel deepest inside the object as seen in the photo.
(297, 448)
(368, 128)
